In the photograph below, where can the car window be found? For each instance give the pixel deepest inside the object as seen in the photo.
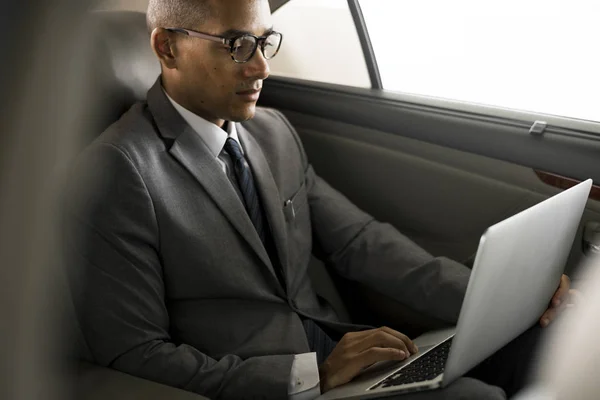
(535, 55)
(320, 43)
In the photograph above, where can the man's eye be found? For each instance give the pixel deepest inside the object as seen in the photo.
(241, 48)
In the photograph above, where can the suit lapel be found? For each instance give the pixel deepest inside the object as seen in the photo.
(191, 151)
(268, 191)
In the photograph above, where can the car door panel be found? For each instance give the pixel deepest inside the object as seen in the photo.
(440, 195)
(471, 128)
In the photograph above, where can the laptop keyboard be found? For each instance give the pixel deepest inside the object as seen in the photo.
(422, 369)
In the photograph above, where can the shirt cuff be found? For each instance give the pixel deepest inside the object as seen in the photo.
(304, 378)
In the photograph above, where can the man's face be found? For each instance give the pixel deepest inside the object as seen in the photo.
(208, 82)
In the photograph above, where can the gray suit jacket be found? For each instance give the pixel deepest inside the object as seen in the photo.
(176, 285)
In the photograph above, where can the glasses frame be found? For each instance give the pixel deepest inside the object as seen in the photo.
(229, 42)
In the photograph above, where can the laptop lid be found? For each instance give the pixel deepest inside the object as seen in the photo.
(517, 269)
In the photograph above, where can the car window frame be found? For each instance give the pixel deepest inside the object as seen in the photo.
(538, 123)
(366, 44)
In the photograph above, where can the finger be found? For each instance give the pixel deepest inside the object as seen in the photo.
(356, 340)
(409, 343)
(562, 292)
(359, 362)
(381, 339)
(363, 334)
(548, 317)
(377, 354)
(359, 335)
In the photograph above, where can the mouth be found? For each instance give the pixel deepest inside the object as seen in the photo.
(249, 95)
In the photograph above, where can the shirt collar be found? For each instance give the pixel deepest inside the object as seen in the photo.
(213, 136)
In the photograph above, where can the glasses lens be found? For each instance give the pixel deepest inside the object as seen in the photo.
(243, 48)
(272, 44)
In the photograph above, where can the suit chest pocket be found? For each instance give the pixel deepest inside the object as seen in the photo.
(296, 205)
(297, 218)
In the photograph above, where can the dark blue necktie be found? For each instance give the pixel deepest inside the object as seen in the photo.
(245, 181)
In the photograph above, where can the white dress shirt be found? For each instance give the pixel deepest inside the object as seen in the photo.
(304, 377)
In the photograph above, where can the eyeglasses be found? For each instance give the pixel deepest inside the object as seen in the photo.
(243, 47)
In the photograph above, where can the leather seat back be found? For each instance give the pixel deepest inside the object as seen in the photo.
(123, 66)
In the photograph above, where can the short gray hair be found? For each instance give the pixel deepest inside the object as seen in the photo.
(177, 13)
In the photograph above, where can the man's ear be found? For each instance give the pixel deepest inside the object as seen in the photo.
(163, 46)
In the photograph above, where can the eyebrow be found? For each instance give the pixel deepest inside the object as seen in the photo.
(236, 32)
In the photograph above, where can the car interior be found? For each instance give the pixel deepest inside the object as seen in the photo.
(439, 173)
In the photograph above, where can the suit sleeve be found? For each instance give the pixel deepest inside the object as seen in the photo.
(118, 288)
(376, 254)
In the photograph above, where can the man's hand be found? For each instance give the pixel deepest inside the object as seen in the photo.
(358, 350)
(563, 298)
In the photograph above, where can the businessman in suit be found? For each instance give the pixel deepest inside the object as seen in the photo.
(192, 222)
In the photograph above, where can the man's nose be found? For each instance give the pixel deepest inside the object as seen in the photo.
(258, 66)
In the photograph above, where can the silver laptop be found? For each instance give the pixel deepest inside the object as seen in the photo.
(516, 272)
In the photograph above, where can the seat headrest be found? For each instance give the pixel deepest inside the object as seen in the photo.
(123, 66)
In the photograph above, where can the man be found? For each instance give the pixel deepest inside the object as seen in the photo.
(193, 222)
